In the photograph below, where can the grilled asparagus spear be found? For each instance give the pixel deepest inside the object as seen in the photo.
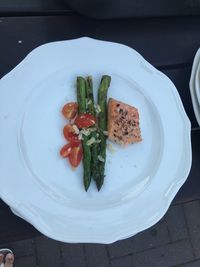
(102, 123)
(94, 146)
(81, 98)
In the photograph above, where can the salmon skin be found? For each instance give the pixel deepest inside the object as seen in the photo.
(123, 123)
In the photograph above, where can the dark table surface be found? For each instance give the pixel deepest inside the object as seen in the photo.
(168, 43)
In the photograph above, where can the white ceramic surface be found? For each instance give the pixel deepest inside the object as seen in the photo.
(141, 179)
(197, 83)
(194, 87)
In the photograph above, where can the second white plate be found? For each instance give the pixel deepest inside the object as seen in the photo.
(194, 86)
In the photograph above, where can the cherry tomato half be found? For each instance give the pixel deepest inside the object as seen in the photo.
(70, 110)
(75, 142)
(75, 156)
(69, 133)
(66, 150)
(85, 120)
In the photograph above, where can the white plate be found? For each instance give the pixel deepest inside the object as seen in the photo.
(141, 179)
(194, 86)
(197, 84)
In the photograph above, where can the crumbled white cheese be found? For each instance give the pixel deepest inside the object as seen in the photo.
(91, 141)
(89, 101)
(105, 133)
(100, 158)
(88, 131)
(76, 130)
(97, 108)
(92, 129)
(85, 132)
(80, 136)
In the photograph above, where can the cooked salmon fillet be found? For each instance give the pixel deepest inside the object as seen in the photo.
(123, 123)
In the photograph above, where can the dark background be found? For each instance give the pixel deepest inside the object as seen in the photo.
(102, 8)
(166, 33)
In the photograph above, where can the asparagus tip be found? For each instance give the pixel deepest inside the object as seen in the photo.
(86, 185)
(106, 78)
(99, 184)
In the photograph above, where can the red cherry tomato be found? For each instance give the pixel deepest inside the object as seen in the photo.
(70, 110)
(75, 156)
(76, 142)
(69, 133)
(66, 150)
(85, 120)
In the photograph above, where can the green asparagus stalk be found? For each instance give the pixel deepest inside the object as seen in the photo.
(81, 98)
(90, 96)
(94, 146)
(81, 95)
(102, 122)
